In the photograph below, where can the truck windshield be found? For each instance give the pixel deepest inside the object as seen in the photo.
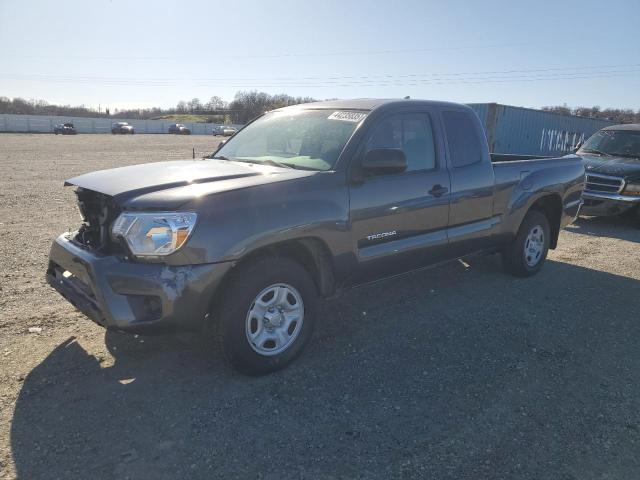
(305, 139)
(620, 143)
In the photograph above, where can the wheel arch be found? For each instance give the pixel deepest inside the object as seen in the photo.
(310, 252)
(551, 207)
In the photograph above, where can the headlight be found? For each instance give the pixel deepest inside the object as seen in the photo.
(153, 234)
(632, 189)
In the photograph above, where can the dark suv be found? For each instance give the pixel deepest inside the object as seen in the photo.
(179, 129)
(122, 128)
(612, 163)
(65, 129)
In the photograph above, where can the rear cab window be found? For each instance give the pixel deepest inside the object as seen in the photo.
(465, 145)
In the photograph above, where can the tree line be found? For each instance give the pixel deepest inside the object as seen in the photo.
(617, 115)
(245, 106)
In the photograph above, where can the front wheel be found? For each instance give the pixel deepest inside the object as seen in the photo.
(528, 251)
(267, 315)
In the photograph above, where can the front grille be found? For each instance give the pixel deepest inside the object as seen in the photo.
(603, 183)
(98, 211)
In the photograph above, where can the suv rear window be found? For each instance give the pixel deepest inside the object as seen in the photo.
(465, 147)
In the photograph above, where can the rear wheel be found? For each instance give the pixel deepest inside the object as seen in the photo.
(267, 315)
(528, 251)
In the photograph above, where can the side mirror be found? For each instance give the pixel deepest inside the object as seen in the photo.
(220, 145)
(577, 147)
(384, 161)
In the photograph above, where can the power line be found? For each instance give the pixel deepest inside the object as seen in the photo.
(329, 79)
(596, 68)
(345, 53)
(504, 76)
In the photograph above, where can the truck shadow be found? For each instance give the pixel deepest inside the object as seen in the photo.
(620, 227)
(457, 372)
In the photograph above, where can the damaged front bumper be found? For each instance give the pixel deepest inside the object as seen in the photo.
(133, 296)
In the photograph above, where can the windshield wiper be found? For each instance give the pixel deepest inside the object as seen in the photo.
(279, 164)
(626, 155)
(268, 162)
(596, 151)
(219, 157)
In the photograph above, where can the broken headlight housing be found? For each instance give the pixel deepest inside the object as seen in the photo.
(154, 234)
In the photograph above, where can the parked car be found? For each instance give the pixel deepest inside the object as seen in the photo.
(122, 128)
(224, 130)
(303, 202)
(179, 129)
(65, 129)
(612, 161)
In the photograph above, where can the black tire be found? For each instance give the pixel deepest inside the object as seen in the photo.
(238, 299)
(523, 263)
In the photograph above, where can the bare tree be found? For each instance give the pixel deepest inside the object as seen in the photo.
(618, 115)
(248, 105)
(194, 105)
(215, 103)
(181, 107)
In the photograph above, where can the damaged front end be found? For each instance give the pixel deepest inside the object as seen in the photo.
(97, 273)
(98, 211)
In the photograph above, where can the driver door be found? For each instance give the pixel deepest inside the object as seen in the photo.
(399, 221)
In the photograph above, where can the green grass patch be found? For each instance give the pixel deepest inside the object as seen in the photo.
(186, 118)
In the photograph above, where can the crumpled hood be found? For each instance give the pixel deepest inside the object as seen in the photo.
(175, 179)
(614, 166)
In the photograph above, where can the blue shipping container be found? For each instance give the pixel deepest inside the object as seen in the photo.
(526, 131)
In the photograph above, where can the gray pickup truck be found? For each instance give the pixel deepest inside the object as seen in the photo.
(301, 203)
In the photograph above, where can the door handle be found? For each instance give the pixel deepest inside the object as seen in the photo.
(438, 190)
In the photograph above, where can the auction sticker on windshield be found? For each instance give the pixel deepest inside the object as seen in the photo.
(354, 117)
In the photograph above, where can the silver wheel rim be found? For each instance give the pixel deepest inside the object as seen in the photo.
(275, 319)
(534, 246)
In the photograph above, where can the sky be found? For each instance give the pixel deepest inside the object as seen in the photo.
(134, 54)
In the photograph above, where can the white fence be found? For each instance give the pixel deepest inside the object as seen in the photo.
(45, 124)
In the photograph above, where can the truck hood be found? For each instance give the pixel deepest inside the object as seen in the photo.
(615, 166)
(173, 180)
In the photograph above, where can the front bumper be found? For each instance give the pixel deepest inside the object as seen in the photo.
(601, 204)
(138, 297)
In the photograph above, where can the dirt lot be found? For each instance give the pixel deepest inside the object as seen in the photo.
(456, 372)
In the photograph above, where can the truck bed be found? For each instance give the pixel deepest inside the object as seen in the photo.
(508, 157)
(517, 177)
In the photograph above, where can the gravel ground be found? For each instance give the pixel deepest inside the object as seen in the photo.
(456, 372)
